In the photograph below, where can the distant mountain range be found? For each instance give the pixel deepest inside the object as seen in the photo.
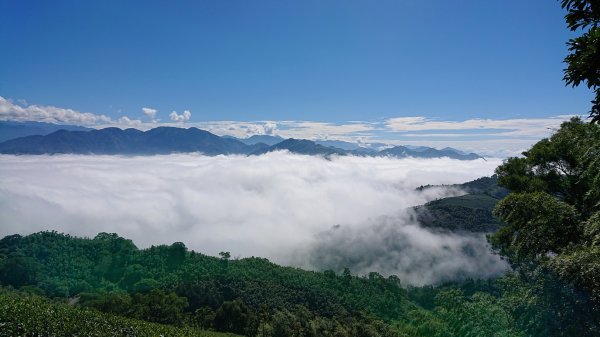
(255, 139)
(11, 130)
(44, 138)
(302, 146)
(428, 152)
(161, 140)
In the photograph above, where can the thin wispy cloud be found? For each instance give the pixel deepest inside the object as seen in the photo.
(516, 127)
(240, 129)
(323, 130)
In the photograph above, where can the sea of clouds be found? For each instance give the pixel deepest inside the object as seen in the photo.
(305, 211)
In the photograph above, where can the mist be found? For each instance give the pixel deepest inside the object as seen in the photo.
(398, 246)
(296, 210)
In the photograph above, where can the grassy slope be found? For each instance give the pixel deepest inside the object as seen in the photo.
(22, 315)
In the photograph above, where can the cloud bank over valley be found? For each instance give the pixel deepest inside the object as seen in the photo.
(296, 210)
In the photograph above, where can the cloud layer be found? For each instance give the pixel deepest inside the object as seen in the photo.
(280, 206)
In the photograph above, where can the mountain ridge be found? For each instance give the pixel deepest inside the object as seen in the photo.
(11, 129)
(165, 140)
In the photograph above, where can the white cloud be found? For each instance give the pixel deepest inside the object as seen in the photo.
(288, 129)
(318, 130)
(126, 121)
(10, 111)
(48, 114)
(184, 117)
(270, 128)
(239, 129)
(272, 206)
(150, 113)
(266, 128)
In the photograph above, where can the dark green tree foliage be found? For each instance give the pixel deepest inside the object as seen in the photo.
(551, 237)
(155, 306)
(477, 313)
(583, 62)
(542, 304)
(18, 271)
(177, 254)
(540, 226)
(234, 316)
(565, 166)
(459, 314)
(551, 212)
(159, 306)
(171, 285)
(248, 296)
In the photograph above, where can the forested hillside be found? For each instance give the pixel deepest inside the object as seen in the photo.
(171, 285)
(471, 212)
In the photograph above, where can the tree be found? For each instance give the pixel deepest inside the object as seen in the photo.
(553, 212)
(204, 317)
(583, 62)
(177, 254)
(565, 166)
(532, 216)
(18, 271)
(234, 316)
(160, 306)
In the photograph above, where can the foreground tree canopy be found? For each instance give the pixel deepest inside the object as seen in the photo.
(583, 62)
(553, 214)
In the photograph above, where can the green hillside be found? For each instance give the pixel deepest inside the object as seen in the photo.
(114, 288)
(171, 285)
(471, 212)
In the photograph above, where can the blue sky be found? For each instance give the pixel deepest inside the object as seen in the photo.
(326, 61)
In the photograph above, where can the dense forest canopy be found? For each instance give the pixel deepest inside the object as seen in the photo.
(583, 62)
(174, 286)
(553, 213)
